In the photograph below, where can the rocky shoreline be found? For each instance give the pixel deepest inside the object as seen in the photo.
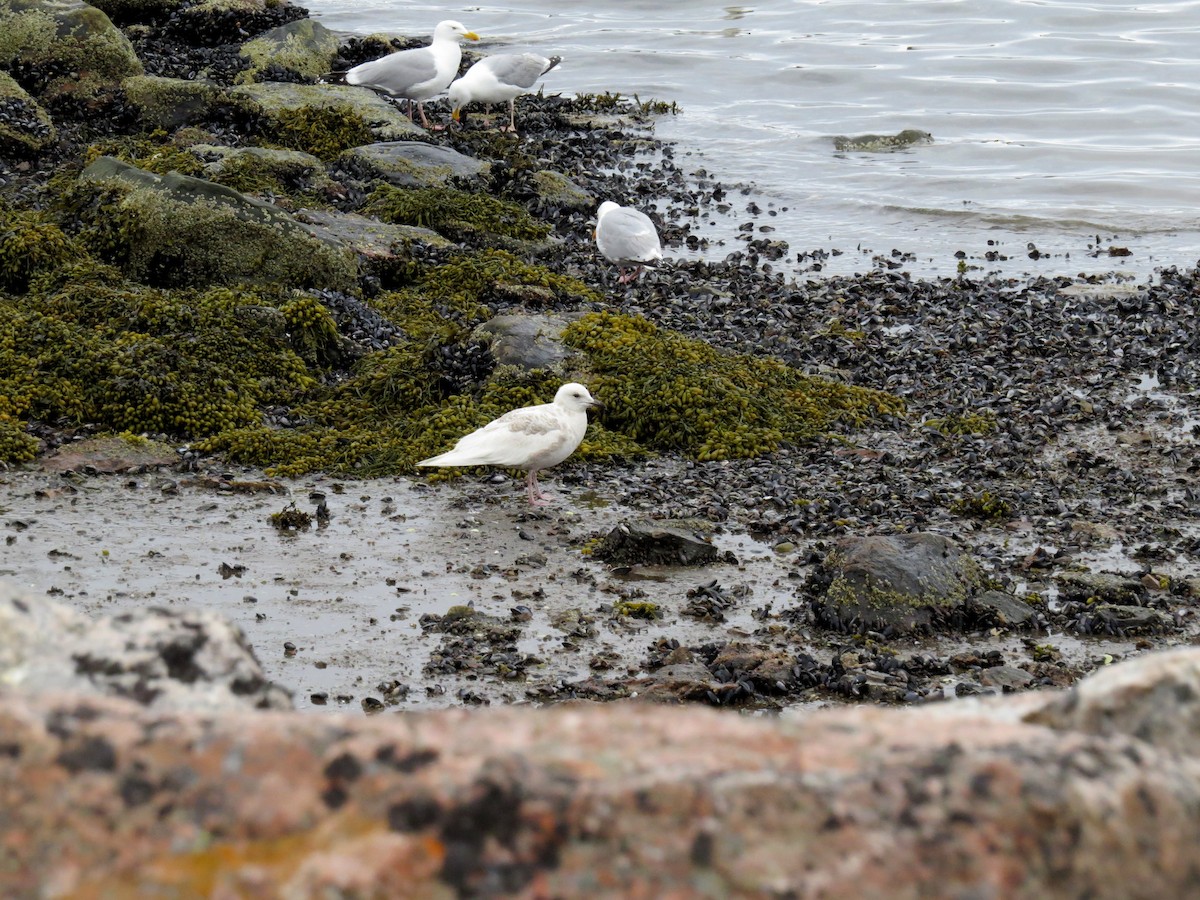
(805, 492)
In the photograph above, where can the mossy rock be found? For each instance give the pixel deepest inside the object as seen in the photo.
(897, 583)
(416, 164)
(474, 218)
(25, 128)
(176, 230)
(881, 143)
(557, 190)
(290, 175)
(300, 114)
(377, 243)
(302, 48)
(171, 102)
(526, 341)
(74, 44)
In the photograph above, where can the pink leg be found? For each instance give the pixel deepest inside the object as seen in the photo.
(534, 490)
(512, 116)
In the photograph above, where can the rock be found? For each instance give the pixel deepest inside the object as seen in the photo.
(182, 231)
(1154, 698)
(25, 128)
(557, 191)
(676, 683)
(110, 454)
(272, 98)
(73, 46)
(283, 164)
(1007, 678)
(302, 48)
(171, 102)
(1004, 609)
(526, 341)
(1090, 586)
(415, 164)
(377, 242)
(963, 799)
(667, 543)
(165, 660)
(901, 582)
(881, 143)
(1110, 618)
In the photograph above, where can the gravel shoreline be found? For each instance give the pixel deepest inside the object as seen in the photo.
(1050, 428)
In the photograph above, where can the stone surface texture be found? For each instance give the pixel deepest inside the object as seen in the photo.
(1034, 797)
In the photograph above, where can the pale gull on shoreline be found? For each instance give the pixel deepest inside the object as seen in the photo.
(417, 74)
(530, 438)
(627, 237)
(497, 78)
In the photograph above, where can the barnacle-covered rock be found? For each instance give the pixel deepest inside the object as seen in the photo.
(417, 164)
(901, 582)
(71, 47)
(170, 102)
(302, 49)
(25, 128)
(177, 230)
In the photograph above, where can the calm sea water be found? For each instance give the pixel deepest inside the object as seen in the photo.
(1055, 122)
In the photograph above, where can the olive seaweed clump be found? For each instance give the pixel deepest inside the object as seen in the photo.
(669, 392)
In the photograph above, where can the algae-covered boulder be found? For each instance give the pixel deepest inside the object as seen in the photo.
(25, 128)
(304, 48)
(176, 230)
(416, 164)
(881, 143)
(900, 582)
(73, 46)
(287, 105)
(555, 189)
(291, 174)
(371, 239)
(170, 102)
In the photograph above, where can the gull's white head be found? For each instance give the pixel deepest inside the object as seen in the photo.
(605, 208)
(451, 30)
(460, 96)
(575, 396)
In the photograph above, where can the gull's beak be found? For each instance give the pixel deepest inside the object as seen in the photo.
(596, 404)
(456, 113)
(593, 234)
(471, 36)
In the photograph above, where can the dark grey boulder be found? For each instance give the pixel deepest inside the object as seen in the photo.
(899, 582)
(666, 543)
(416, 164)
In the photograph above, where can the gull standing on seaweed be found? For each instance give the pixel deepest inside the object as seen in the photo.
(417, 74)
(494, 79)
(529, 438)
(627, 237)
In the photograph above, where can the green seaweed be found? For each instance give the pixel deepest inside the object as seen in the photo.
(457, 215)
(670, 392)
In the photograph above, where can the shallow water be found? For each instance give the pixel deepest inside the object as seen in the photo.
(1054, 122)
